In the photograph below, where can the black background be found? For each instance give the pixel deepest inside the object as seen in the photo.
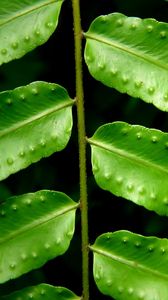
(54, 62)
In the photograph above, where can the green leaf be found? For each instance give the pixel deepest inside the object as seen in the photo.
(42, 291)
(130, 55)
(34, 229)
(35, 121)
(132, 161)
(129, 266)
(24, 25)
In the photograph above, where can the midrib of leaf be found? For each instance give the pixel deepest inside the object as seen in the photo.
(128, 156)
(129, 50)
(35, 118)
(26, 12)
(37, 223)
(132, 264)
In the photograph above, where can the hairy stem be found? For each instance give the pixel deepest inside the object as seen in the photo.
(82, 146)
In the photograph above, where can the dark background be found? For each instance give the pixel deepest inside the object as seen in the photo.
(54, 62)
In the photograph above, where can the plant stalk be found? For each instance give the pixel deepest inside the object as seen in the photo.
(82, 147)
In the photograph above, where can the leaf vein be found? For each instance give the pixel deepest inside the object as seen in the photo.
(127, 49)
(36, 224)
(129, 263)
(35, 118)
(26, 12)
(128, 156)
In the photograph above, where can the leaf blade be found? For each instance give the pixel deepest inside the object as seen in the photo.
(27, 24)
(131, 161)
(45, 226)
(139, 261)
(35, 122)
(125, 53)
(47, 291)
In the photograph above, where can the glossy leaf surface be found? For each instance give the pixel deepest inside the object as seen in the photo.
(129, 266)
(35, 121)
(132, 161)
(34, 229)
(26, 24)
(42, 291)
(130, 55)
